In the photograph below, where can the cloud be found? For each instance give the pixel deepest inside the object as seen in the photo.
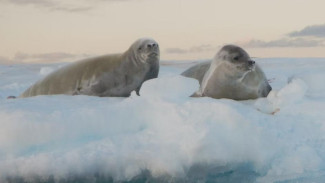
(55, 5)
(31, 2)
(314, 31)
(310, 36)
(114, 0)
(194, 49)
(42, 58)
(285, 42)
(176, 51)
(72, 9)
(50, 5)
(5, 60)
(202, 48)
(45, 57)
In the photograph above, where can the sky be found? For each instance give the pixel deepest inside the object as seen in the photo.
(67, 30)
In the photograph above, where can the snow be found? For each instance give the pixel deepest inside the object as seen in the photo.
(164, 135)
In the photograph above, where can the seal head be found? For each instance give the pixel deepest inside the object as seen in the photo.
(146, 54)
(145, 51)
(235, 57)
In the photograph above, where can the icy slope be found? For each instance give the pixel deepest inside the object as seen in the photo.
(164, 135)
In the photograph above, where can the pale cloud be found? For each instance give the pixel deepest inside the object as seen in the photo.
(42, 58)
(5, 60)
(176, 51)
(46, 57)
(63, 6)
(194, 49)
(50, 5)
(202, 48)
(310, 36)
(31, 2)
(72, 9)
(314, 31)
(285, 42)
(114, 0)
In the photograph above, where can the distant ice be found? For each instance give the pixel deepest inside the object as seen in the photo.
(314, 81)
(46, 70)
(164, 135)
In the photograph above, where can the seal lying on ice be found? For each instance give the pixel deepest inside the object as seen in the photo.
(115, 75)
(231, 74)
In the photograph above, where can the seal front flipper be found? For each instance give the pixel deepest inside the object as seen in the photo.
(151, 74)
(266, 90)
(196, 94)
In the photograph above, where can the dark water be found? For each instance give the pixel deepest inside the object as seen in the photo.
(195, 174)
(202, 173)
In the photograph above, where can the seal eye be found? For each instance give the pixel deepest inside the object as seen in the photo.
(140, 48)
(236, 58)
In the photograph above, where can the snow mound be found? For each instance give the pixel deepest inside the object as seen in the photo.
(279, 100)
(169, 87)
(163, 135)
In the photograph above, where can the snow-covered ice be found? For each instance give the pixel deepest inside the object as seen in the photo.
(164, 135)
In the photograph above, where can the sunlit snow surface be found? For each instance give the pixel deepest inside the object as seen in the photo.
(164, 135)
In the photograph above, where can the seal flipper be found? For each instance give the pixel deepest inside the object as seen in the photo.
(266, 89)
(197, 71)
(196, 94)
(151, 74)
(137, 91)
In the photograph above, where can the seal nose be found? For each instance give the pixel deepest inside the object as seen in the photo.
(251, 62)
(152, 45)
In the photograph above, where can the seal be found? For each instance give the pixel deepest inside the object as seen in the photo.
(231, 74)
(113, 75)
(197, 71)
